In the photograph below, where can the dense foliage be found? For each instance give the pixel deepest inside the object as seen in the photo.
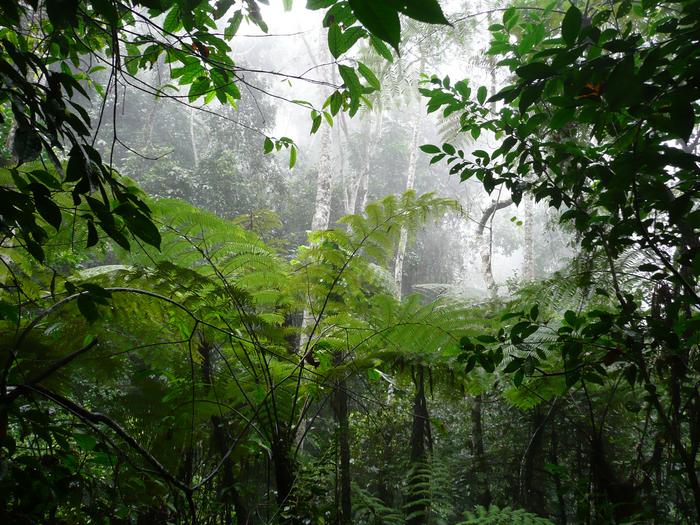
(178, 346)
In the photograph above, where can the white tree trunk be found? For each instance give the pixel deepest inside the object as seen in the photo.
(324, 184)
(486, 244)
(322, 206)
(374, 133)
(410, 183)
(528, 240)
(193, 142)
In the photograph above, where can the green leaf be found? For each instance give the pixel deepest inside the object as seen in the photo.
(515, 364)
(535, 312)
(335, 38)
(106, 9)
(233, 25)
(199, 88)
(380, 48)
(76, 168)
(352, 82)
(428, 11)
(87, 308)
(292, 157)
(535, 70)
(623, 87)
(313, 5)
(48, 210)
(518, 377)
(570, 317)
(529, 96)
(62, 12)
(268, 145)
(682, 119)
(339, 42)
(449, 149)
(379, 18)
(371, 78)
(143, 227)
(27, 144)
(92, 237)
(430, 148)
(571, 25)
(481, 94)
(316, 123)
(562, 117)
(172, 20)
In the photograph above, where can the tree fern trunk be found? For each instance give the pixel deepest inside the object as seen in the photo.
(554, 458)
(340, 409)
(285, 469)
(228, 493)
(531, 482)
(418, 497)
(482, 476)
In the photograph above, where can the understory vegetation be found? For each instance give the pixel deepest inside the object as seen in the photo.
(404, 262)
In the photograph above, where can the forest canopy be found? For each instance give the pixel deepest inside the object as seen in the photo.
(418, 261)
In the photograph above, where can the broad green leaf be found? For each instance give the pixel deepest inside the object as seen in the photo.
(352, 82)
(380, 48)
(172, 20)
(535, 70)
(430, 148)
(428, 11)
(571, 25)
(292, 156)
(371, 78)
(379, 18)
(481, 94)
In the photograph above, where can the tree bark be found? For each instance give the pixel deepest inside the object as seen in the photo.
(193, 141)
(531, 485)
(324, 184)
(528, 241)
(410, 183)
(339, 403)
(359, 199)
(554, 458)
(482, 485)
(228, 493)
(284, 480)
(417, 502)
(486, 244)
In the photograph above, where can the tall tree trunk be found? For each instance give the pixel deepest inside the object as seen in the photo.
(554, 458)
(410, 182)
(321, 216)
(531, 483)
(483, 489)
(374, 133)
(228, 493)
(528, 241)
(285, 469)
(339, 402)
(193, 141)
(324, 184)
(417, 499)
(339, 399)
(486, 244)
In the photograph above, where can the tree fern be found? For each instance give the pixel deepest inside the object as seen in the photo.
(503, 516)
